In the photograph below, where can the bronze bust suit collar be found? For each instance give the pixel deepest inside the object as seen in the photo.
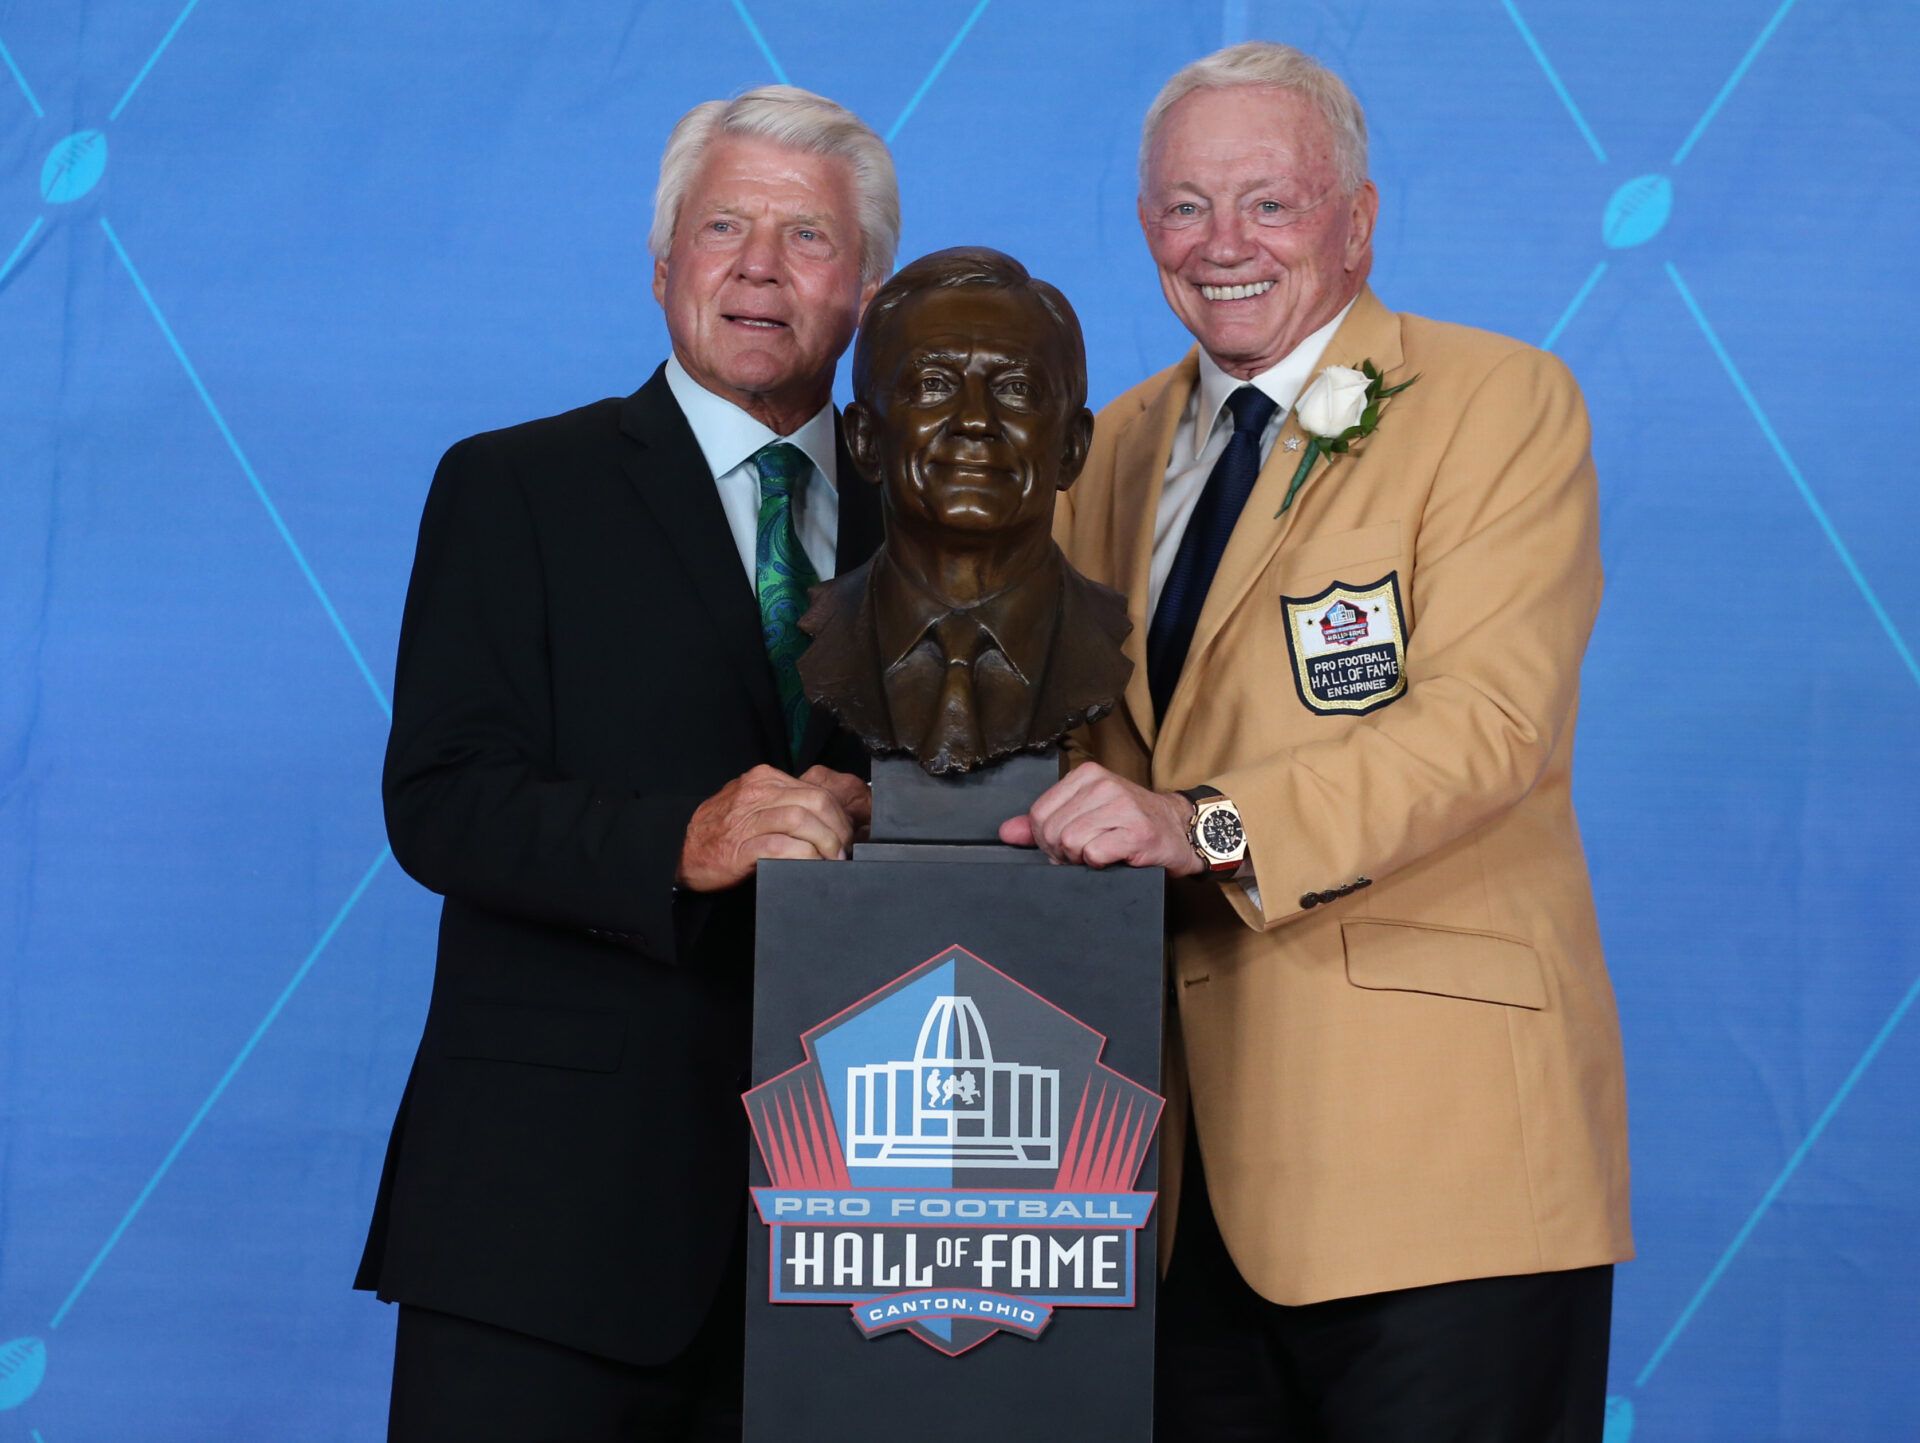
(870, 625)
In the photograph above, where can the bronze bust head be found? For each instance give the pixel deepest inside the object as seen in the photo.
(967, 637)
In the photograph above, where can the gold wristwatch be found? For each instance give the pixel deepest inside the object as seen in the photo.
(1218, 838)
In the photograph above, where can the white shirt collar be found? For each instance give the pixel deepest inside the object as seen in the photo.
(729, 437)
(1282, 382)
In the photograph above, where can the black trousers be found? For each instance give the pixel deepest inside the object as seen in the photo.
(1489, 1360)
(460, 1381)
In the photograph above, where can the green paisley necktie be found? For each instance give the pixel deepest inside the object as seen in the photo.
(781, 576)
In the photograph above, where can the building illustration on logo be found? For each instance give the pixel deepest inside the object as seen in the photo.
(989, 1164)
(1344, 624)
(952, 1103)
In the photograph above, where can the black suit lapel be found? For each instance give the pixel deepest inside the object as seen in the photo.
(667, 468)
(860, 532)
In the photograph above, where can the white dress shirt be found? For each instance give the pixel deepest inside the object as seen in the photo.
(728, 439)
(1205, 428)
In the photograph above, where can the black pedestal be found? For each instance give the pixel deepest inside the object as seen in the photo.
(910, 806)
(953, 1174)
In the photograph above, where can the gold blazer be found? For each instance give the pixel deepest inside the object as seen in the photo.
(1403, 1058)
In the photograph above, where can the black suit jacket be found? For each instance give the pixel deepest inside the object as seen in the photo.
(580, 665)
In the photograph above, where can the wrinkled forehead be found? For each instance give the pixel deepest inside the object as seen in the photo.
(750, 173)
(1241, 133)
(1004, 323)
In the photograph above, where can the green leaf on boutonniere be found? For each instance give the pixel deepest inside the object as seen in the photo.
(1377, 395)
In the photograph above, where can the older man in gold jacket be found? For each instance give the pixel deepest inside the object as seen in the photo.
(1360, 551)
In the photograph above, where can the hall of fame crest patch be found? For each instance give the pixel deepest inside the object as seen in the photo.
(1348, 645)
(951, 1160)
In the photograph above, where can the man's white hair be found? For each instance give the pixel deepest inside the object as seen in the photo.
(1268, 65)
(801, 120)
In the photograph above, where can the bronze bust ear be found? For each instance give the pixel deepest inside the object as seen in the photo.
(967, 637)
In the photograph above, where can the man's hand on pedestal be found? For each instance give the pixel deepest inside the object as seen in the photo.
(854, 796)
(766, 813)
(1096, 818)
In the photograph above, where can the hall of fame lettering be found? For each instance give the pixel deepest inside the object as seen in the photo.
(1347, 644)
(953, 1159)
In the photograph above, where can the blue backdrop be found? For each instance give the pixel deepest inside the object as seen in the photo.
(263, 263)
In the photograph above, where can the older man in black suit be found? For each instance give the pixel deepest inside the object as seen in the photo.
(598, 732)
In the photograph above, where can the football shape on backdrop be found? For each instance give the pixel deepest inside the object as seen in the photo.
(1637, 212)
(23, 1363)
(73, 167)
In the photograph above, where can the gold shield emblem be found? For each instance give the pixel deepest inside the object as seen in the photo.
(1348, 645)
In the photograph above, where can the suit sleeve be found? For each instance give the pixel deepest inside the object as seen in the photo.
(475, 808)
(1506, 582)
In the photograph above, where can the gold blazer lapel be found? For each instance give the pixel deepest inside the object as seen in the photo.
(1370, 332)
(1139, 472)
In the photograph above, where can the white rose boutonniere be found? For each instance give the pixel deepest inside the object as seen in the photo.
(1339, 407)
(1333, 401)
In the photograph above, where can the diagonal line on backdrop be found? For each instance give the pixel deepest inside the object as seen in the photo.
(273, 512)
(938, 66)
(1573, 306)
(6, 267)
(1780, 1182)
(153, 59)
(220, 1087)
(1553, 79)
(1799, 481)
(25, 89)
(753, 29)
(1732, 80)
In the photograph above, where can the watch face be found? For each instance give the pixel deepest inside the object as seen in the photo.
(1221, 832)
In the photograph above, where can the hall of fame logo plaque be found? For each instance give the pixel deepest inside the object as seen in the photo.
(953, 1159)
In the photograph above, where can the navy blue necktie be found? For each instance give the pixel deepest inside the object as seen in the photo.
(1228, 486)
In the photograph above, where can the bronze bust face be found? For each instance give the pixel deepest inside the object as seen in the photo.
(967, 637)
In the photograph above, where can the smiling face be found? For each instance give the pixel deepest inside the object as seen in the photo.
(761, 286)
(1256, 243)
(969, 420)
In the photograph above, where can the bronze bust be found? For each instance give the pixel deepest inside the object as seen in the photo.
(967, 637)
